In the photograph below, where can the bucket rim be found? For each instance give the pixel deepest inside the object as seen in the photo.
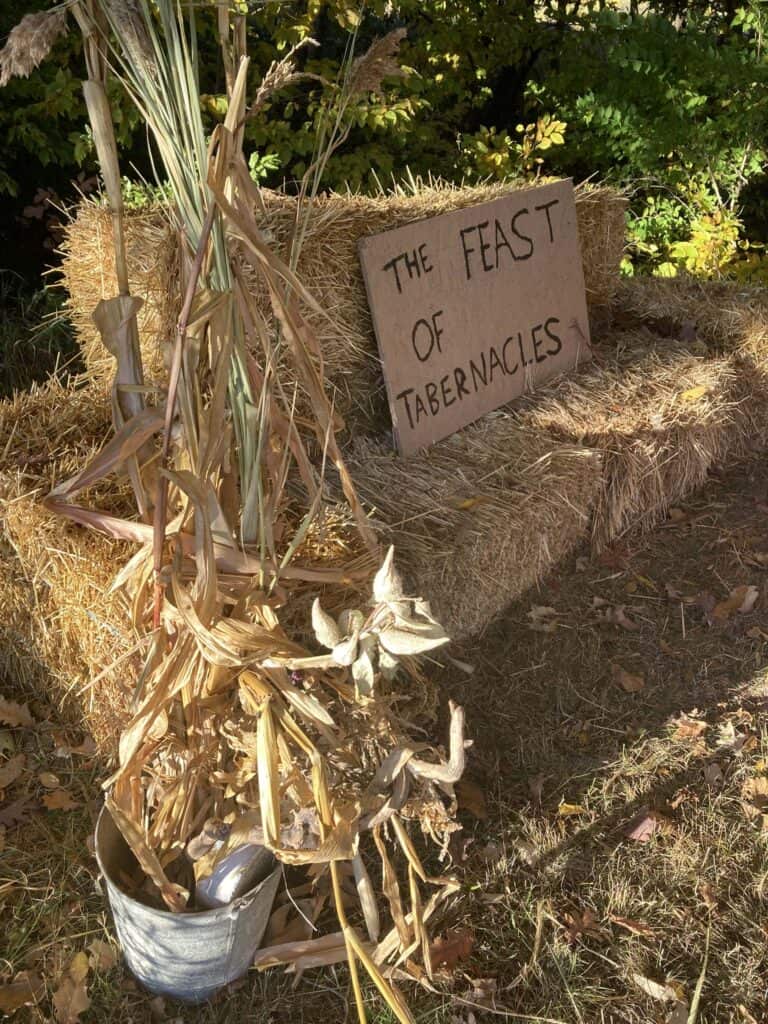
(210, 912)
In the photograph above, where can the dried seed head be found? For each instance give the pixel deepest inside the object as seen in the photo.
(29, 43)
(280, 74)
(378, 63)
(128, 24)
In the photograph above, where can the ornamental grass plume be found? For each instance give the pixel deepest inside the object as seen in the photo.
(30, 42)
(377, 63)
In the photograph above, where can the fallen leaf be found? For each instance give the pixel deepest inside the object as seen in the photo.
(756, 791)
(25, 989)
(16, 715)
(694, 394)
(10, 770)
(470, 797)
(60, 800)
(707, 893)
(78, 968)
(543, 619)
(17, 812)
(484, 992)
(102, 956)
(626, 680)
(569, 810)
(660, 990)
(613, 615)
(635, 927)
(689, 728)
(582, 923)
(713, 774)
(677, 515)
(741, 601)
(645, 824)
(447, 950)
(64, 749)
(683, 795)
(70, 1000)
(49, 780)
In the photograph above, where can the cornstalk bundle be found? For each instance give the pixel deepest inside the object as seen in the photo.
(238, 729)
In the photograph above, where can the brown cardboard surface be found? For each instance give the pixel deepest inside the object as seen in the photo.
(474, 307)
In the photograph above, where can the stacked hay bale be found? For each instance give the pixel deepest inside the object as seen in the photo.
(59, 624)
(677, 385)
(328, 265)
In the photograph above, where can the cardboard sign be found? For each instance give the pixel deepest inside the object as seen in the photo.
(474, 307)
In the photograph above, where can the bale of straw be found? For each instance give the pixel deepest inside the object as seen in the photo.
(88, 275)
(328, 265)
(480, 517)
(722, 315)
(662, 412)
(59, 625)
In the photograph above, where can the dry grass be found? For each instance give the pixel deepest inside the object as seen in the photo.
(547, 719)
(481, 516)
(59, 623)
(328, 266)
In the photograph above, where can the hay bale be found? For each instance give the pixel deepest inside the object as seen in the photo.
(329, 267)
(480, 517)
(59, 626)
(88, 275)
(660, 413)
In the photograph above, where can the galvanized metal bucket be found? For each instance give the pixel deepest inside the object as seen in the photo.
(184, 956)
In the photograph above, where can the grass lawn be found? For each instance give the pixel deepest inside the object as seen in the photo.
(615, 844)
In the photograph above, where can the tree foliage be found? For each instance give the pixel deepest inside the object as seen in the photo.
(669, 97)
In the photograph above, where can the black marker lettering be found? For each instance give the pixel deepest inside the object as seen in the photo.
(484, 246)
(551, 334)
(460, 379)
(445, 388)
(404, 396)
(507, 343)
(467, 251)
(521, 236)
(495, 363)
(545, 207)
(537, 343)
(501, 242)
(426, 266)
(476, 372)
(523, 360)
(434, 404)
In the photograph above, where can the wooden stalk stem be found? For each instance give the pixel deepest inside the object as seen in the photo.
(161, 508)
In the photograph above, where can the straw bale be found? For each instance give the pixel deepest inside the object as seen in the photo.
(59, 626)
(480, 517)
(88, 275)
(661, 414)
(722, 314)
(329, 267)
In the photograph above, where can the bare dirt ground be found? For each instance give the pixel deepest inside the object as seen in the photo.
(615, 846)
